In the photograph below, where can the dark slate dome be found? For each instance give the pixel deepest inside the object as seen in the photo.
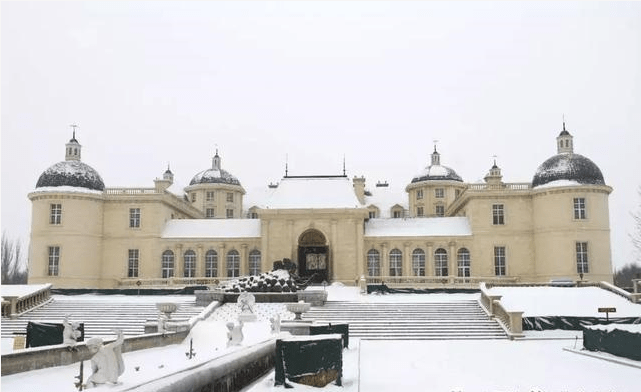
(71, 173)
(570, 167)
(214, 176)
(437, 172)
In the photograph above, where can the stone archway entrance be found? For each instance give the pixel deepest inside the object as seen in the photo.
(313, 256)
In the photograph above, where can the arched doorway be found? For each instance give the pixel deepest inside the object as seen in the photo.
(313, 257)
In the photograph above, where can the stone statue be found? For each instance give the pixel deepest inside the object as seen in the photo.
(246, 302)
(235, 334)
(162, 323)
(275, 322)
(107, 363)
(70, 333)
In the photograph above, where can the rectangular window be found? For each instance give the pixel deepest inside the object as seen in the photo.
(397, 214)
(498, 214)
(210, 196)
(419, 194)
(54, 261)
(579, 208)
(230, 197)
(499, 260)
(440, 210)
(55, 218)
(132, 263)
(230, 213)
(193, 197)
(582, 258)
(210, 213)
(419, 211)
(439, 193)
(134, 217)
(372, 214)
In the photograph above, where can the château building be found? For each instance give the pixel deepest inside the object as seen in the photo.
(439, 230)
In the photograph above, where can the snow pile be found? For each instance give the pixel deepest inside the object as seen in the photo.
(634, 328)
(278, 281)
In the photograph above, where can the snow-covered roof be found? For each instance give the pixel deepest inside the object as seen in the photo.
(386, 197)
(257, 197)
(437, 172)
(418, 227)
(313, 192)
(68, 189)
(568, 166)
(213, 176)
(71, 173)
(211, 228)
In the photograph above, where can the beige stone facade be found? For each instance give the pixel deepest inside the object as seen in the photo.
(439, 231)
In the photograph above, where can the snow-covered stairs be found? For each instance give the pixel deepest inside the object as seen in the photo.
(462, 319)
(101, 316)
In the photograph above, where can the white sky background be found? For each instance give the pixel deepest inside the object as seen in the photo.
(155, 82)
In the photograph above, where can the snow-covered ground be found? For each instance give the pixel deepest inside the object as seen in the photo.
(565, 301)
(450, 365)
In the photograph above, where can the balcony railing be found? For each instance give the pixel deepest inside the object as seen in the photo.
(436, 281)
(172, 282)
(131, 191)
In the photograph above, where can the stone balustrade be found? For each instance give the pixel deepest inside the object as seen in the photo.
(512, 321)
(174, 281)
(437, 281)
(13, 305)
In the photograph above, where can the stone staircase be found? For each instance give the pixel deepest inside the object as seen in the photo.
(461, 319)
(101, 315)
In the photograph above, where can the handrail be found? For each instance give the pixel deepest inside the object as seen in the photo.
(13, 306)
(510, 321)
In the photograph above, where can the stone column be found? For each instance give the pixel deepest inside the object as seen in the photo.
(200, 261)
(222, 261)
(265, 259)
(332, 265)
(244, 260)
(429, 259)
(293, 243)
(407, 260)
(361, 260)
(179, 261)
(452, 260)
(384, 259)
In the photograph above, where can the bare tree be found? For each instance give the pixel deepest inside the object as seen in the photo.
(13, 271)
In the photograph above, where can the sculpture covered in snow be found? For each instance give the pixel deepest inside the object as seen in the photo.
(275, 323)
(235, 334)
(280, 281)
(70, 333)
(246, 303)
(107, 363)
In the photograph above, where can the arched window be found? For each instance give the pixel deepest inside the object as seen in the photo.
(167, 264)
(463, 262)
(254, 262)
(233, 264)
(373, 263)
(440, 262)
(190, 264)
(395, 263)
(211, 264)
(418, 262)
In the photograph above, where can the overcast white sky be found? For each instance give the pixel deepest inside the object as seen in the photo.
(155, 82)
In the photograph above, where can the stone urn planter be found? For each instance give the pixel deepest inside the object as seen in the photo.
(167, 308)
(298, 309)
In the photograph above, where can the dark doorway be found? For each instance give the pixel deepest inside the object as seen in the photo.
(313, 256)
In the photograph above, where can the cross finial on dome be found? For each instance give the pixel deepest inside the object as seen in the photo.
(436, 160)
(73, 126)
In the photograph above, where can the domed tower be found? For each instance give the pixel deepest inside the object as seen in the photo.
(433, 189)
(67, 223)
(216, 192)
(571, 216)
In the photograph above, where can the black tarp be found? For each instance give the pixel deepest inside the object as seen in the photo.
(383, 289)
(618, 342)
(571, 323)
(47, 334)
(296, 358)
(189, 290)
(342, 329)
